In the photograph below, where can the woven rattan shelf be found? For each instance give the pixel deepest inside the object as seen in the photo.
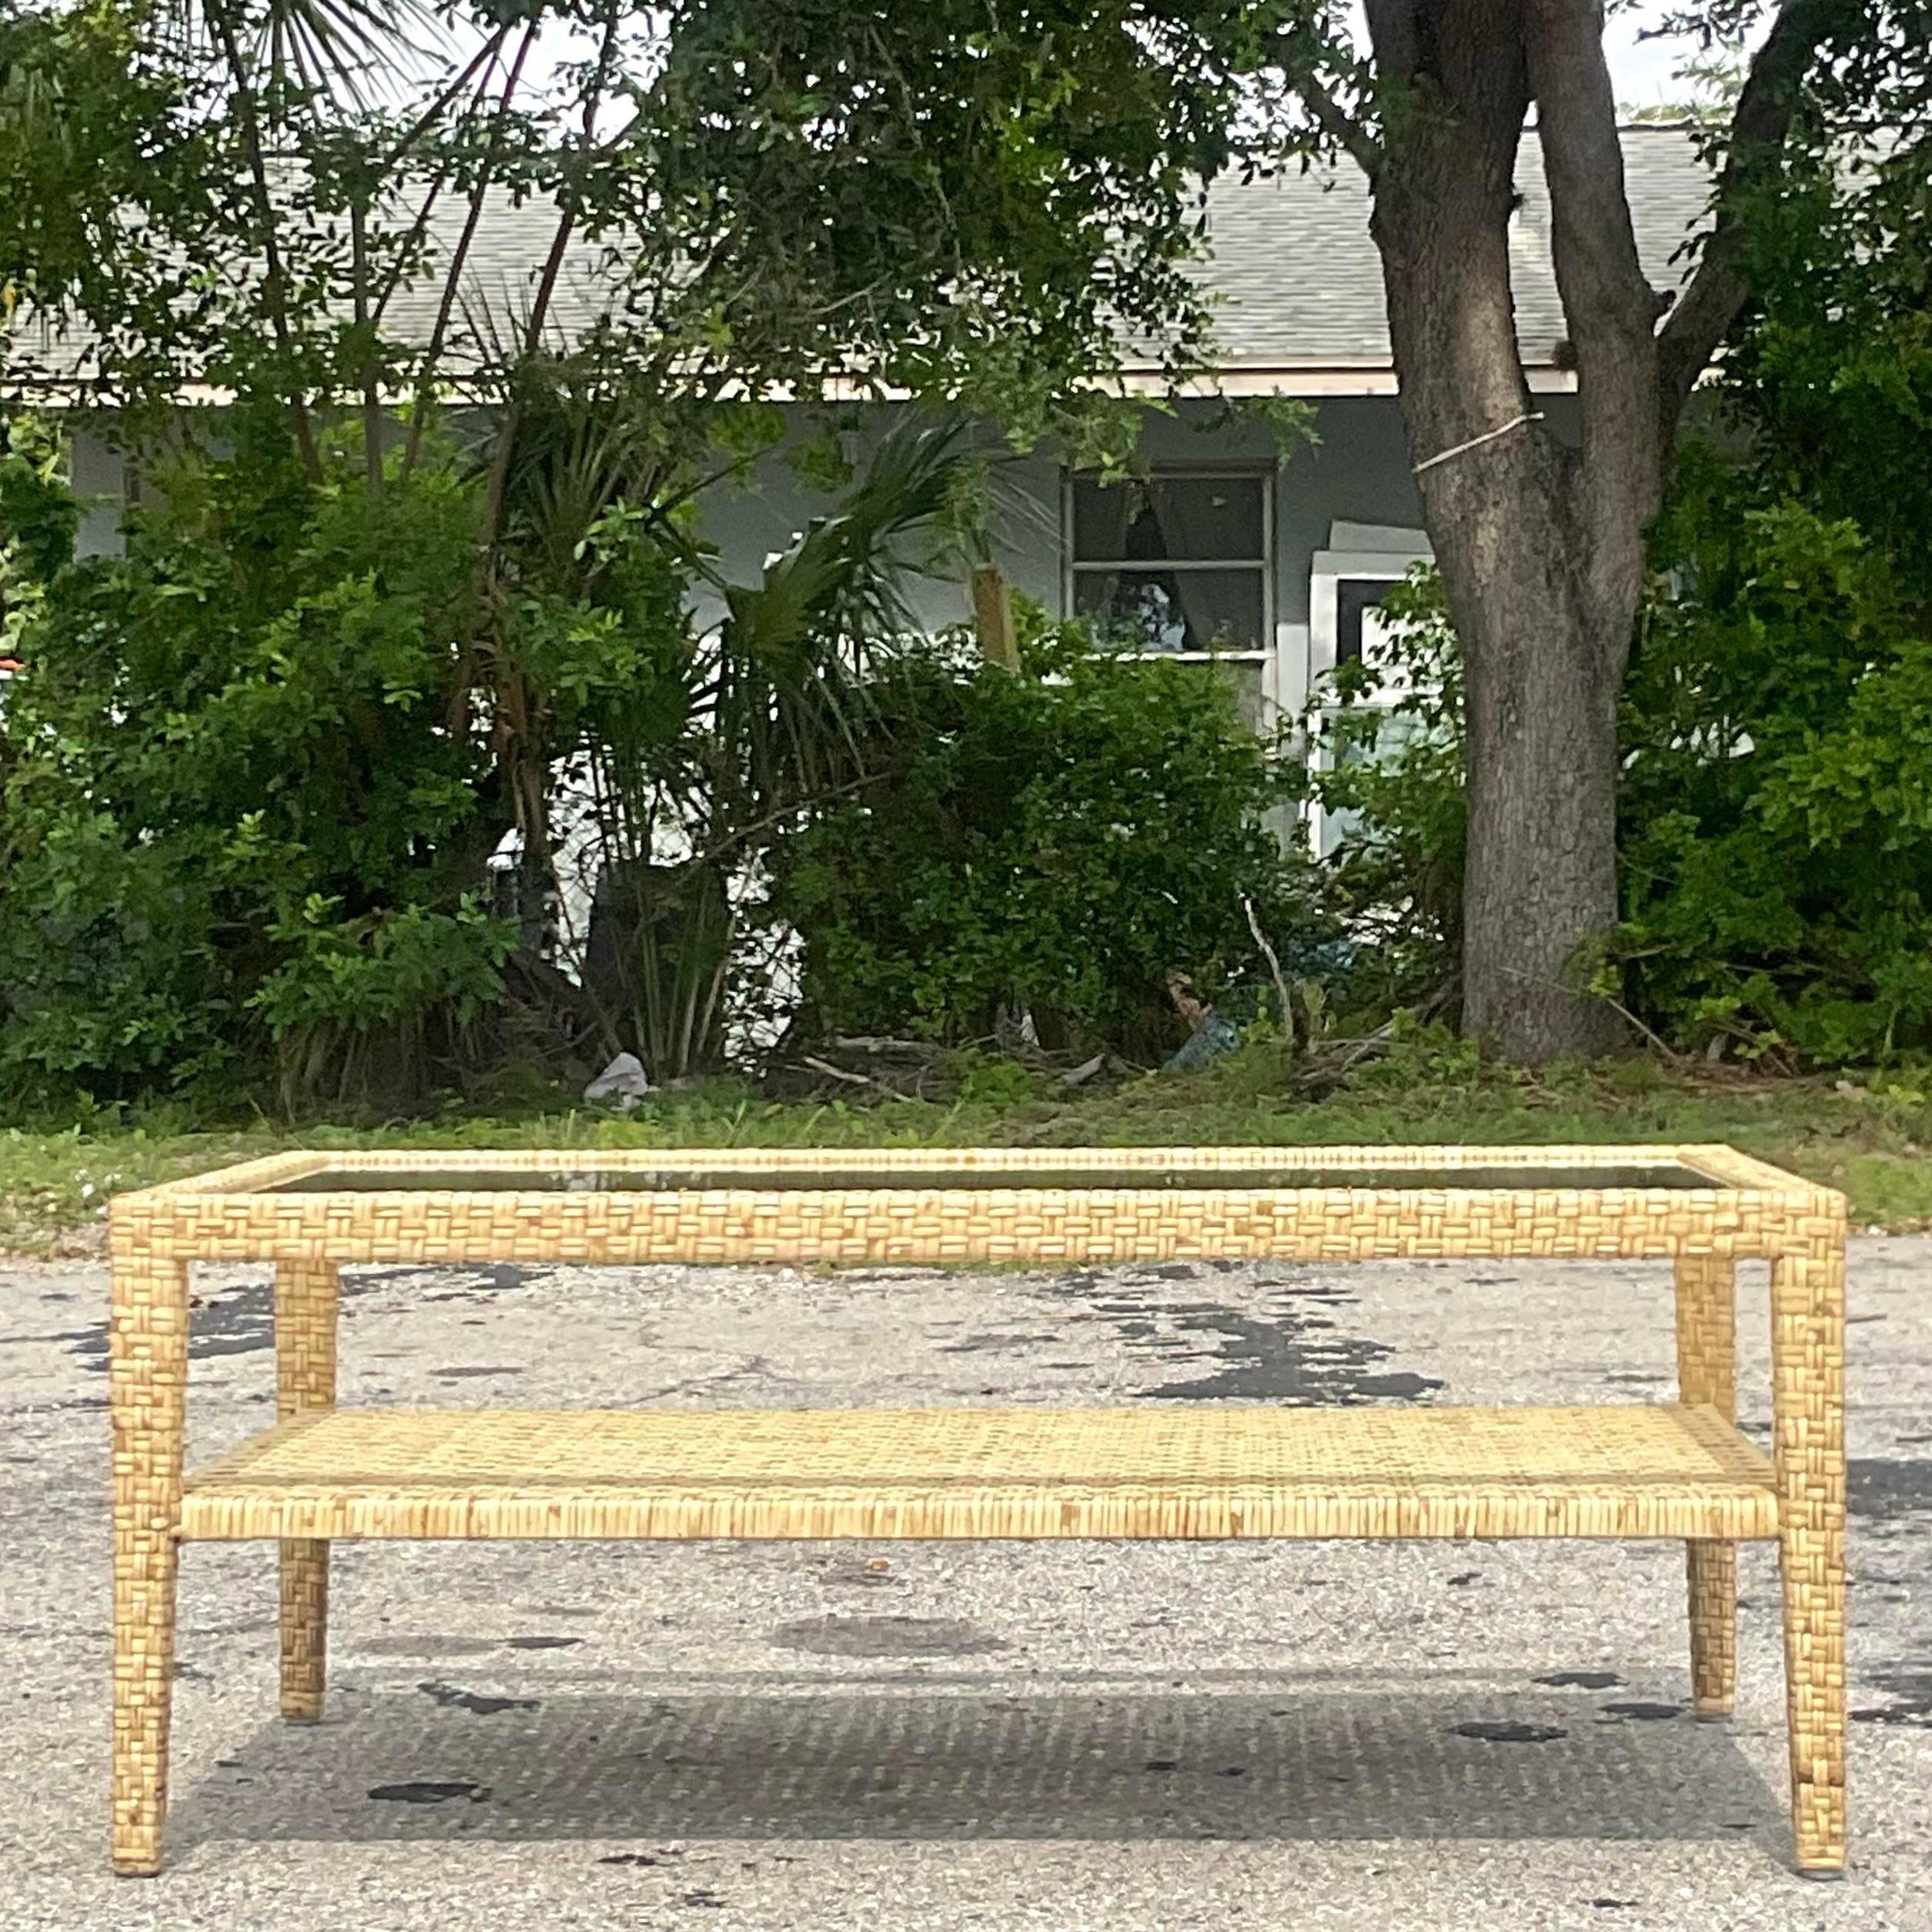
(1682, 1471)
(1154, 1471)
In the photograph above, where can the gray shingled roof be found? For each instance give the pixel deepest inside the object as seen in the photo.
(1299, 277)
(1301, 282)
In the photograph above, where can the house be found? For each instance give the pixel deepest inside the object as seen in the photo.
(1272, 562)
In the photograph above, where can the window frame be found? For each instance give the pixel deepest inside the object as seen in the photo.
(1329, 570)
(1073, 568)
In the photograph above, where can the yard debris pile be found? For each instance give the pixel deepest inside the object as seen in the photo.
(870, 1070)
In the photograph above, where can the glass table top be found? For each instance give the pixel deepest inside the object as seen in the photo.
(665, 1180)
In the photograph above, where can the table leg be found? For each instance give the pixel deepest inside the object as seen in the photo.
(1706, 1300)
(1807, 1377)
(306, 1293)
(147, 1398)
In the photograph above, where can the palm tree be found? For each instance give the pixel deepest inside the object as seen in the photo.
(785, 708)
(359, 50)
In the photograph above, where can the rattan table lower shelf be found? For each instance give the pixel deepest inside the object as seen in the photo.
(1144, 1469)
(1161, 1470)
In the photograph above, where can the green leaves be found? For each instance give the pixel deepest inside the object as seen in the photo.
(1777, 812)
(367, 973)
(228, 799)
(38, 521)
(1054, 843)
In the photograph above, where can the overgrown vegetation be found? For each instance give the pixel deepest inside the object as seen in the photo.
(253, 791)
(1777, 798)
(233, 808)
(295, 797)
(415, 742)
(1050, 845)
(1775, 806)
(1869, 1137)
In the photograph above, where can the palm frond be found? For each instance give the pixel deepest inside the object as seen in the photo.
(361, 50)
(798, 654)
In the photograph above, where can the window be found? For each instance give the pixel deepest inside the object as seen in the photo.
(1354, 597)
(1179, 561)
(1346, 587)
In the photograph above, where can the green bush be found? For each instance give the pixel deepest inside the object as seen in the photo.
(1054, 843)
(1776, 801)
(1391, 776)
(231, 806)
(1777, 797)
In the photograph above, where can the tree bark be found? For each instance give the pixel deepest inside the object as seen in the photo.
(1539, 547)
(1539, 882)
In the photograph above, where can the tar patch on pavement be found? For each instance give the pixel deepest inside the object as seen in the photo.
(242, 1320)
(1581, 1679)
(1643, 1713)
(887, 1637)
(541, 1643)
(428, 1792)
(1911, 1691)
(1297, 1355)
(450, 1698)
(1494, 1734)
(1881, 1490)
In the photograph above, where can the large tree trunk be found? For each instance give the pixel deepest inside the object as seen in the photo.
(1540, 889)
(1540, 546)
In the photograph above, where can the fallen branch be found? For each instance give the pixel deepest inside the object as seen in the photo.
(830, 1072)
(1275, 967)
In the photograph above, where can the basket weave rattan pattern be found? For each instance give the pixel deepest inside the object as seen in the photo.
(1680, 1471)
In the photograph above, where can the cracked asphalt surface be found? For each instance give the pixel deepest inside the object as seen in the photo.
(1075, 1735)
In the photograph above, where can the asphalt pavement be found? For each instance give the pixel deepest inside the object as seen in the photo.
(1073, 1736)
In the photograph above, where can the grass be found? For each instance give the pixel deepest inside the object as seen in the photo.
(1868, 1136)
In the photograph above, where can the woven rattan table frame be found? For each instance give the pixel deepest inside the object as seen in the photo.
(1682, 1471)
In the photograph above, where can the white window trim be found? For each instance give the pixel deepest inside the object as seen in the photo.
(1328, 571)
(1264, 474)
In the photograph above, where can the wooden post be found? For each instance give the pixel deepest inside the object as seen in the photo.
(993, 616)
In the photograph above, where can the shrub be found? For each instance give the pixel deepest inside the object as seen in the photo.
(1053, 843)
(1776, 806)
(1777, 802)
(231, 806)
(1390, 774)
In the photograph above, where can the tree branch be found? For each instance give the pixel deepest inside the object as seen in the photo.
(1607, 304)
(1610, 309)
(1392, 32)
(1340, 125)
(485, 58)
(274, 271)
(432, 354)
(553, 267)
(1706, 308)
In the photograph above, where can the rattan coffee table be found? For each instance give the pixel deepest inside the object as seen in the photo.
(1680, 1471)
